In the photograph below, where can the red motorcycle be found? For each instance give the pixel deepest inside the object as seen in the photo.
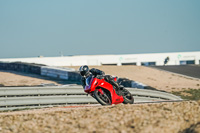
(104, 92)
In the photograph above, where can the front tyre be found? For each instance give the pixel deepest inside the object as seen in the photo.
(128, 98)
(103, 99)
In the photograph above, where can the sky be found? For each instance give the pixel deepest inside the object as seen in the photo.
(30, 28)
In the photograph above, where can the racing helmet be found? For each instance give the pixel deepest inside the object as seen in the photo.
(84, 70)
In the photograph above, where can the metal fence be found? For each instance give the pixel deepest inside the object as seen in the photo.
(33, 97)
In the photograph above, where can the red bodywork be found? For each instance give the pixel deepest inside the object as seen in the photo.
(100, 84)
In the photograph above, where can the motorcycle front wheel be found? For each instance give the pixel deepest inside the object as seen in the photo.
(103, 99)
(128, 98)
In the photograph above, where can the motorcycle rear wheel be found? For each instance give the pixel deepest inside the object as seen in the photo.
(103, 99)
(128, 98)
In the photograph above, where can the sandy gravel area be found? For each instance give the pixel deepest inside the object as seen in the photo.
(158, 79)
(175, 117)
(11, 78)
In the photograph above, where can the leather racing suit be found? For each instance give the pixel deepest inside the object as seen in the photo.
(99, 74)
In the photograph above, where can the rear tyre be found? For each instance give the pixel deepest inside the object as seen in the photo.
(128, 98)
(103, 99)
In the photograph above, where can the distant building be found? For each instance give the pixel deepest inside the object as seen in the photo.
(176, 58)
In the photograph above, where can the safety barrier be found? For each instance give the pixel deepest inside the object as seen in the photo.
(134, 84)
(49, 71)
(60, 73)
(35, 97)
(21, 67)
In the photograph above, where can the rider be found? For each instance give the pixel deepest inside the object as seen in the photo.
(86, 72)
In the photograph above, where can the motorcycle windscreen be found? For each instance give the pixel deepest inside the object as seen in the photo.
(87, 82)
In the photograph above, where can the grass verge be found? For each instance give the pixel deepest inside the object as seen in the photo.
(190, 94)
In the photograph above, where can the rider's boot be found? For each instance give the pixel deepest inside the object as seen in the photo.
(118, 91)
(121, 87)
(115, 85)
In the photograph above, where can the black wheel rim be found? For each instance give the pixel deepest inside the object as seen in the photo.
(127, 94)
(104, 97)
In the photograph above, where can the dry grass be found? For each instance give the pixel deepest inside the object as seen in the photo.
(155, 118)
(188, 94)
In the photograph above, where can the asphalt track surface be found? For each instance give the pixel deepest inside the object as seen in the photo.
(188, 70)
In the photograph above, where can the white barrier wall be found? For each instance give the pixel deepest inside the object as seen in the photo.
(96, 60)
(135, 84)
(55, 72)
(60, 73)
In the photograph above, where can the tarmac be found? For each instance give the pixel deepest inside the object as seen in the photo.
(188, 70)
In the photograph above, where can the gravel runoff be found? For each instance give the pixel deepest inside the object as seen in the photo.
(140, 118)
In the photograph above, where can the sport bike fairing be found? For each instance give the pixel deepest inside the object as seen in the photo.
(93, 83)
(114, 97)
